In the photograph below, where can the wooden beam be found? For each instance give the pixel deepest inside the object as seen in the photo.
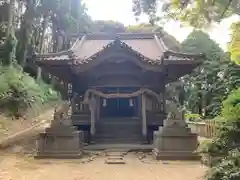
(144, 117)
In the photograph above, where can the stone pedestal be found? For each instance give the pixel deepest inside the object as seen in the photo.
(175, 141)
(60, 141)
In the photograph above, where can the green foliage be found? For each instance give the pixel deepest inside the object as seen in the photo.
(227, 169)
(234, 45)
(231, 106)
(227, 142)
(210, 83)
(19, 91)
(169, 40)
(196, 13)
(107, 27)
(204, 145)
(229, 126)
(193, 117)
(7, 51)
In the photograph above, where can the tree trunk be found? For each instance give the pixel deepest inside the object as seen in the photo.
(10, 18)
(10, 35)
(25, 33)
(44, 28)
(55, 38)
(41, 43)
(200, 100)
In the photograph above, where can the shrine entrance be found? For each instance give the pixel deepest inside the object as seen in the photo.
(119, 107)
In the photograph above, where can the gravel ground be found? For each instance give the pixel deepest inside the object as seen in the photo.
(15, 167)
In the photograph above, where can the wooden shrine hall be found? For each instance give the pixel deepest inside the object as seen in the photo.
(117, 83)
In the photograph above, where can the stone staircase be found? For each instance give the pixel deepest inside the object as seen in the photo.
(119, 131)
(115, 157)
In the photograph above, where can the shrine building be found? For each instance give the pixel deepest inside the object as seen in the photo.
(116, 83)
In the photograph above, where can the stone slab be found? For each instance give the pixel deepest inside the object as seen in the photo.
(108, 161)
(58, 156)
(115, 158)
(114, 154)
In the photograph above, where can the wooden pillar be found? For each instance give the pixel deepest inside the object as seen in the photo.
(39, 73)
(164, 100)
(74, 104)
(144, 118)
(75, 96)
(98, 104)
(92, 106)
(65, 90)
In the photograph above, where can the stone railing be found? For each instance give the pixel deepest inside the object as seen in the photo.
(205, 128)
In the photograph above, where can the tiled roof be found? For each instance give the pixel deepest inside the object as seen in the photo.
(149, 46)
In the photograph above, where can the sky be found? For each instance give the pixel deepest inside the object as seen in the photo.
(121, 11)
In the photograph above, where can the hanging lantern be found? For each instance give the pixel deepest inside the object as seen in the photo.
(130, 102)
(104, 102)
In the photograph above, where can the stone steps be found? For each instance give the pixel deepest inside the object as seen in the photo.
(117, 141)
(118, 130)
(115, 157)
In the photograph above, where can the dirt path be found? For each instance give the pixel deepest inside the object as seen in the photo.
(20, 168)
(10, 127)
(25, 129)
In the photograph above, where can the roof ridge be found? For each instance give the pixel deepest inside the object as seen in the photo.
(122, 33)
(77, 45)
(112, 36)
(65, 52)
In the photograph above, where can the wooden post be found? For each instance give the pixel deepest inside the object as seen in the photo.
(97, 107)
(39, 73)
(164, 100)
(74, 104)
(144, 118)
(92, 105)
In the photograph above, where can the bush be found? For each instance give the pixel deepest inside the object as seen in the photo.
(193, 117)
(229, 126)
(231, 107)
(19, 91)
(227, 142)
(204, 145)
(227, 169)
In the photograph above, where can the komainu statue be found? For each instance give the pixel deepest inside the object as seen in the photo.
(61, 112)
(173, 111)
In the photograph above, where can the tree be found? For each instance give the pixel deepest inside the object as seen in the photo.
(25, 32)
(169, 40)
(107, 26)
(234, 45)
(10, 42)
(197, 13)
(211, 83)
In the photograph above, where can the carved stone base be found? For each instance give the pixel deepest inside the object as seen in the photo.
(60, 141)
(175, 141)
(175, 155)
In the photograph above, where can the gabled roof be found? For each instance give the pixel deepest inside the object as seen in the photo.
(149, 47)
